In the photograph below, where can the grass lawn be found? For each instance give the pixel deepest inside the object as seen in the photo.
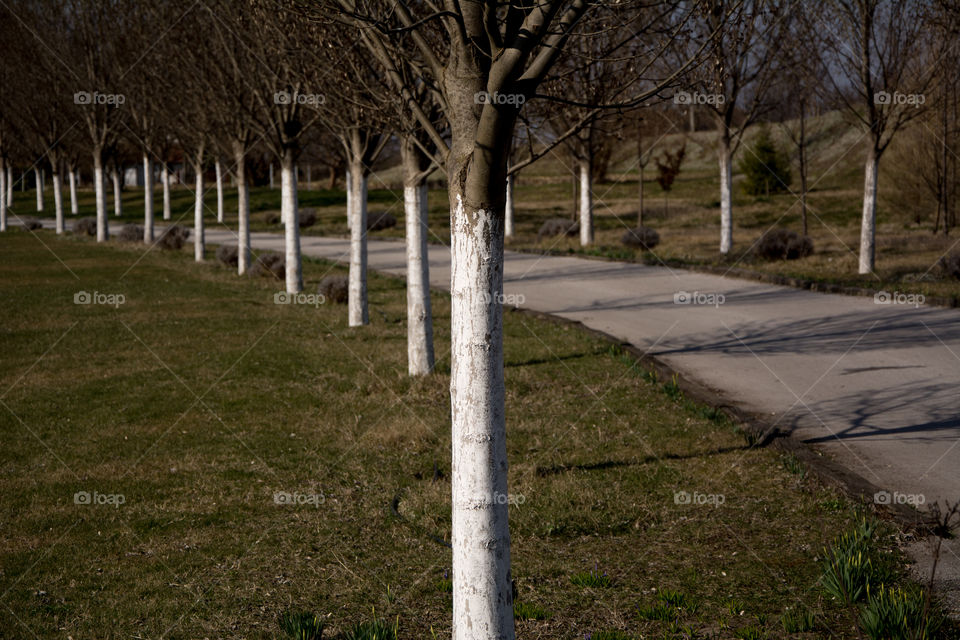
(188, 411)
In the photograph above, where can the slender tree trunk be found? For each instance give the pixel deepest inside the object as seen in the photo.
(291, 217)
(74, 205)
(3, 195)
(219, 170)
(117, 197)
(508, 209)
(586, 203)
(640, 198)
(308, 177)
(726, 196)
(199, 240)
(868, 225)
(243, 209)
(100, 187)
(58, 198)
(165, 179)
(9, 186)
(332, 179)
(147, 198)
(39, 185)
(803, 167)
(357, 312)
(420, 358)
(271, 175)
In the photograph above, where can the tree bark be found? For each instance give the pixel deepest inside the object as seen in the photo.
(147, 198)
(420, 357)
(508, 210)
(219, 170)
(586, 203)
(199, 239)
(726, 196)
(868, 224)
(803, 167)
(271, 175)
(117, 199)
(243, 210)
(640, 198)
(357, 312)
(291, 218)
(100, 187)
(58, 199)
(165, 179)
(3, 195)
(39, 185)
(74, 205)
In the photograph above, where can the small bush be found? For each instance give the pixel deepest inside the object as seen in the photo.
(334, 289)
(301, 626)
(950, 265)
(31, 224)
(308, 218)
(380, 221)
(558, 227)
(173, 238)
(271, 217)
(228, 254)
(766, 169)
(783, 244)
(269, 265)
(130, 233)
(373, 630)
(641, 238)
(898, 614)
(85, 227)
(527, 611)
(847, 565)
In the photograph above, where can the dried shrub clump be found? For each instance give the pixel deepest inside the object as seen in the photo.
(31, 224)
(641, 238)
(85, 227)
(558, 227)
(269, 265)
(174, 238)
(950, 265)
(130, 233)
(308, 218)
(783, 244)
(228, 254)
(380, 221)
(334, 289)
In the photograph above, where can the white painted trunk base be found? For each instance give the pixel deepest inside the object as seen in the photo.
(291, 217)
(3, 197)
(243, 215)
(58, 201)
(147, 199)
(100, 187)
(74, 205)
(165, 179)
(199, 240)
(586, 204)
(420, 358)
(726, 201)
(508, 210)
(39, 181)
(117, 199)
(357, 312)
(868, 224)
(219, 171)
(9, 186)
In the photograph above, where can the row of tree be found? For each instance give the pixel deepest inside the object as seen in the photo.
(477, 90)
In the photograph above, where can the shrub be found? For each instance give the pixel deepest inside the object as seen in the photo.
(31, 224)
(766, 169)
(334, 289)
(641, 238)
(130, 233)
(174, 237)
(301, 626)
(558, 227)
(269, 265)
(847, 566)
(308, 218)
(228, 254)
(380, 221)
(950, 265)
(899, 614)
(85, 227)
(271, 217)
(783, 244)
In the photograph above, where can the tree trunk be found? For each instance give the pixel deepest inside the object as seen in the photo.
(508, 210)
(58, 198)
(586, 203)
(726, 196)
(803, 167)
(39, 185)
(9, 186)
(332, 179)
(100, 187)
(147, 198)
(117, 199)
(3, 195)
(271, 175)
(219, 170)
(420, 358)
(199, 239)
(640, 198)
(291, 218)
(357, 311)
(165, 179)
(868, 225)
(74, 205)
(243, 210)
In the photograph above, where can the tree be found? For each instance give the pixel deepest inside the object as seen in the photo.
(766, 169)
(668, 169)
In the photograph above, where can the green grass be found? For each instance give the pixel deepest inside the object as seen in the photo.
(199, 401)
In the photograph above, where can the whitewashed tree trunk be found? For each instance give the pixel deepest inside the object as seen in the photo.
(868, 225)
(508, 210)
(39, 182)
(74, 205)
(420, 357)
(100, 187)
(117, 200)
(726, 197)
(357, 312)
(243, 211)
(165, 179)
(58, 200)
(291, 217)
(3, 196)
(199, 239)
(147, 199)
(219, 171)
(586, 203)
(9, 186)
(480, 536)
